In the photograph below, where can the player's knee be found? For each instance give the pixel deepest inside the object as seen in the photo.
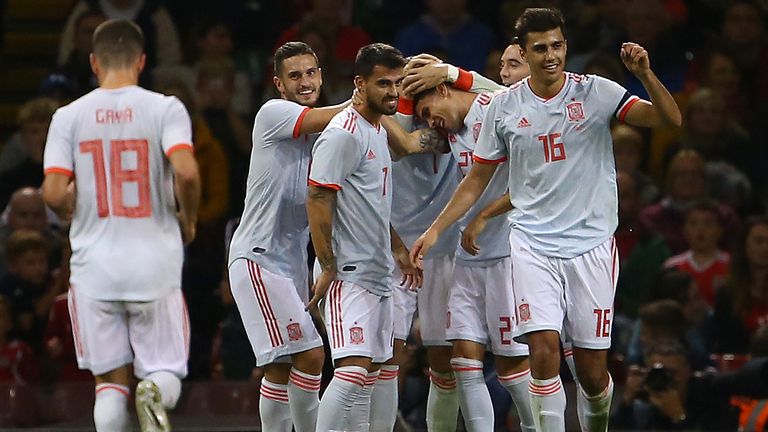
(592, 379)
(310, 361)
(169, 385)
(110, 410)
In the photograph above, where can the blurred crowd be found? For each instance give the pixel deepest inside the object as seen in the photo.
(693, 227)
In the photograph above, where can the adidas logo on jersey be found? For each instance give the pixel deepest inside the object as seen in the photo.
(371, 155)
(523, 123)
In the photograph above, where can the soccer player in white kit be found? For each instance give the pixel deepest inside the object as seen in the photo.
(268, 254)
(348, 205)
(114, 157)
(554, 129)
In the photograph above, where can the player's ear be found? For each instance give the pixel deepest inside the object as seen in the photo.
(320, 74)
(442, 90)
(142, 62)
(278, 84)
(94, 64)
(360, 84)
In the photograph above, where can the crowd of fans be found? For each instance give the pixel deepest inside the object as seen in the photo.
(693, 231)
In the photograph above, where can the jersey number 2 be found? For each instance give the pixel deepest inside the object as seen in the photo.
(118, 176)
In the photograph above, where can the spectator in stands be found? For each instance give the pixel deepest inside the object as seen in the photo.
(21, 159)
(641, 252)
(77, 67)
(29, 285)
(17, 360)
(215, 89)
(449, 27)
(27, 211)
(628, 150)
(161, 38)
(704, 261)
(742, 305)
(336, 83)
(668, 396)
(685, 185)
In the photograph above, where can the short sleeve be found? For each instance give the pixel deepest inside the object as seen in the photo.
(334, 158)
(613, 99)
(58, 156)
(491, 147)
(177, 127)
(280, 119)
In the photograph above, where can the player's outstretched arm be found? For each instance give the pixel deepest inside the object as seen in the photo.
(412, 276)
(662, 110)
(477, 225)
(316, 119)
(59, 194)
(187, 183)
(402, 143)
(463, 198)
(321, 206)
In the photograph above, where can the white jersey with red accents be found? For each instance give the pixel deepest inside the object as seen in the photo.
(352, 156)
(126, 242)
(562, 175)
(494, 240)
(273, 229)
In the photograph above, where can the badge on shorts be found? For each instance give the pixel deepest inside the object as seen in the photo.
(575, 111)
(356, 335)
(294, 332)
(525, 312)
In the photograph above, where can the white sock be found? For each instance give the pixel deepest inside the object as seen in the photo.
(384, 400)
(474, 397)
(548, 404)
(580, 408)
(517, 386)
(169, 385)
(335, 409)
(442, 402)
(596, 409)
(303, 394)
(360, 418)
(110, 411)
(273, 407)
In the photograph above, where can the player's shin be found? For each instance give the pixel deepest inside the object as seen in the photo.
(384, 400)
(442, 402)
(474, 398)
(517, 384)
(548, 404)
(303, 392)
(595, 411)
(273, 407)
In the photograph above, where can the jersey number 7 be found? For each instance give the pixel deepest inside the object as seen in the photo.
(119, 175)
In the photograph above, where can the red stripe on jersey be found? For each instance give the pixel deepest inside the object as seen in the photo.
(297, 126)
(59, 170)
(177, 147)
(325, 185)
(464, 81)
(623, 113)
(269, 319)
(478, 159)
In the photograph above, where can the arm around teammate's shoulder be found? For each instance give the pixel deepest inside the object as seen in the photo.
(662, 110)
(316, 119)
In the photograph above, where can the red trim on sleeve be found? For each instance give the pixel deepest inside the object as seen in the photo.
(325, 185)
(297, 126)
(627, 106)
(177, 147)
(405, 106)
(478, 159)
(59, 170)
(464, 81)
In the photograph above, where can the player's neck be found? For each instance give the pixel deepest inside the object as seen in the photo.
(465, 100)
(544, 89)
(117, 78)
(369, 114)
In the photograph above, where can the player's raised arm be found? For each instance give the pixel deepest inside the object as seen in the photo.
(477, 225)
(402, 143)
(423, 74)
(662, 110)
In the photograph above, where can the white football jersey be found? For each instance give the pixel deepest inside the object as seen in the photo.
(494, 240)
(126, 242)
(273, 229)
(352, 156)
(562, 175)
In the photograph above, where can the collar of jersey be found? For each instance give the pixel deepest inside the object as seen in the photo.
(545, 100)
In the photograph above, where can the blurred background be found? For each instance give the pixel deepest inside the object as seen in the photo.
(692, 302)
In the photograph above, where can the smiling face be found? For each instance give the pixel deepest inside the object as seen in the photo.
(545, 54)
(381, 89)
(300, 80)
(513, 66)
(438, 110)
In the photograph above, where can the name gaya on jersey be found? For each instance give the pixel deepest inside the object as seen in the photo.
(562, 175)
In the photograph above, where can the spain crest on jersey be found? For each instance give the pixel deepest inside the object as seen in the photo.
(476, 130)
(525, 312)
(356, 335)
(575, 111)
(294, 332)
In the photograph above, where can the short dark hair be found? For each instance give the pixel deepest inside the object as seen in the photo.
(377, 54)
(117, 43)
(421, 95)
(537, 20)
(291, 49)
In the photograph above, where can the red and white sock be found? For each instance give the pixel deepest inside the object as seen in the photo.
(303, 394)
(517, 386)
(110, 411)
(442, 402)
(548, 404)
(335, 411)
(273, 407)
(384, 400)
(474, 398)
